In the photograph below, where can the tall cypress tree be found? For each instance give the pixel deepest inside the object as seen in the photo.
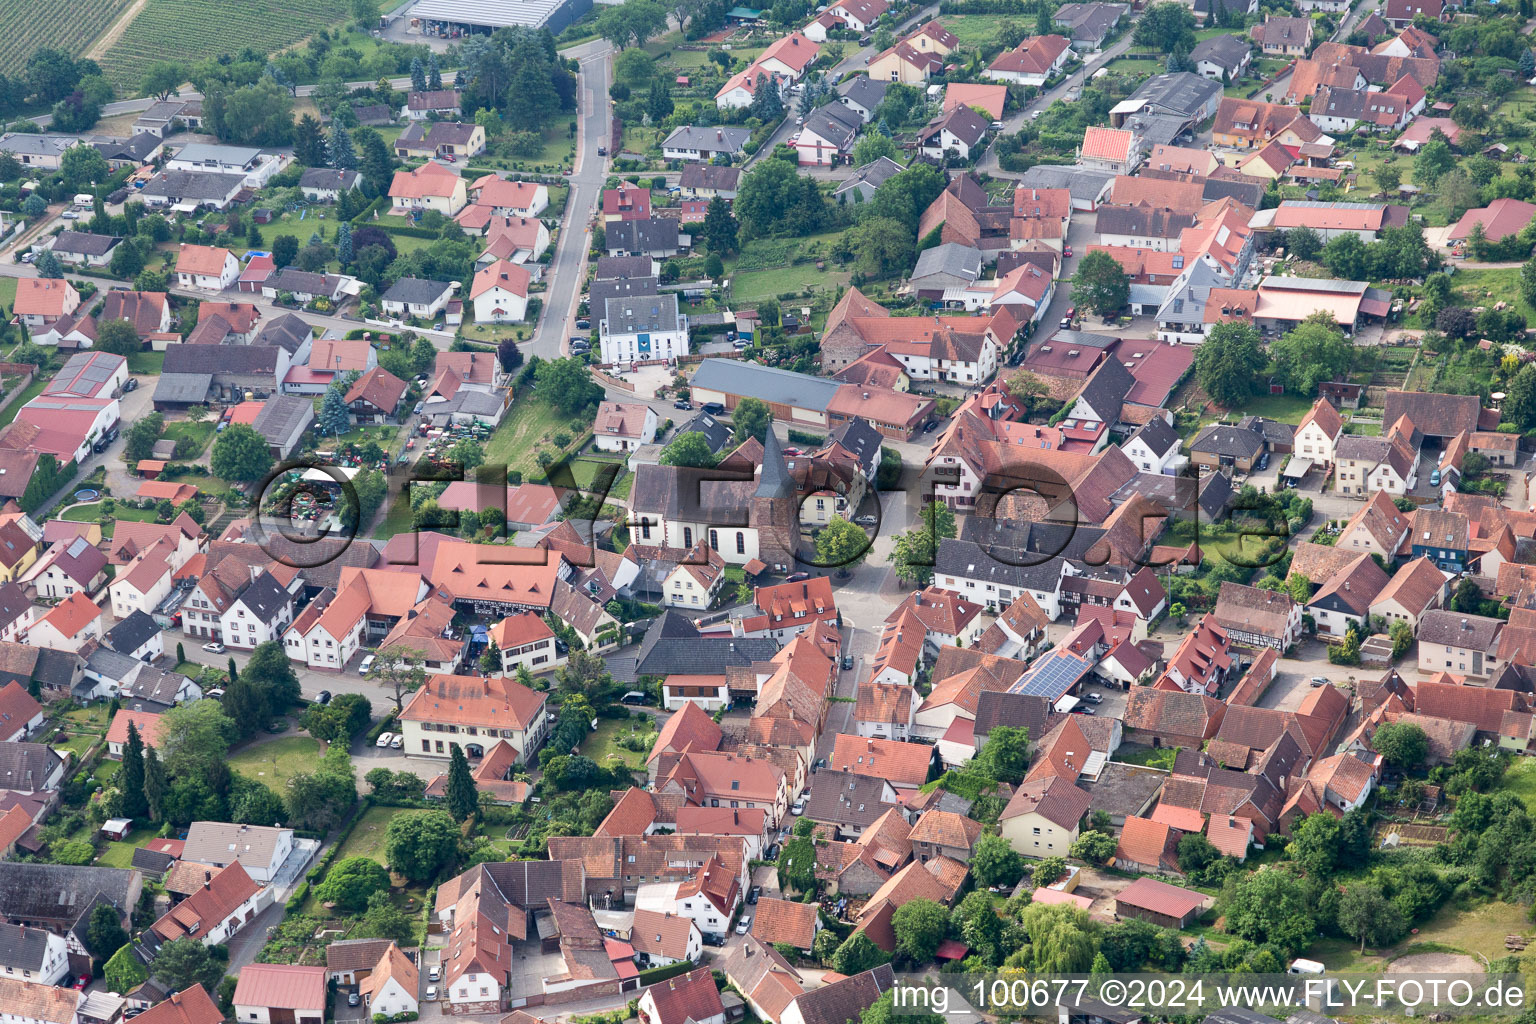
(462, 797)
(134, 804)
(154, 784)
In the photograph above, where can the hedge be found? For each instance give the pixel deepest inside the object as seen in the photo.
(366, 216)
(652, 975)
(381, 727)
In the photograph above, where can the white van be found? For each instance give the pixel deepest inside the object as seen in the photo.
(1307, 967)
(85, 201)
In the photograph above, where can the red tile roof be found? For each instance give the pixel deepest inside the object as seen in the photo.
(1160, 897)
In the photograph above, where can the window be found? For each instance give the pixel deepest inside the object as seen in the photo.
(741, 543)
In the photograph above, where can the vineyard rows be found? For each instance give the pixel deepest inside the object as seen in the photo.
(70, 25)
(194, 30)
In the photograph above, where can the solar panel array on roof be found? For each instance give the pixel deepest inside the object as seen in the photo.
(1052, 676)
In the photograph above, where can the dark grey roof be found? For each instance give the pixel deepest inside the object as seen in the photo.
(863, 90)
(1142, 221)
(844, 798)
(1090, 20)
(288, 332)
(136, 147)
(861, 438)
(716, 433)
(416, 291)
(183, 388)
(432, 135)
(374, 113)
(1226, 52)
(614, 287)
(213, 359)
(13, 603)
(962, 122)
(1249, 193)
(613, 267)
(1272, 430)
(131, 633)
(630, 314)
(1015, 710)
(56, 669)
(151, 860)
(201, 186)
(968, 560)
(712, 176)
(283, 418)
(54, 892)
(292, 279)
(153, 684)
(674, 646)
(1235, 442)
(1085, 185)
(111, 664)
(264, 597)
(773, 479)
(84, 243)
(771, 384)
(25, 767)
(1453, 629)
(1105, 389)
(327, 178)
(1157, 435)
(874, 174)
(951, 259)
(835, 123)
(21, 947)
(643, 235)
(706, 139)
(692, 495)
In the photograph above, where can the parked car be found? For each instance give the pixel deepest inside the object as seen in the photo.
(419, 407)
(131, 384)
(1093, 698)
(397, 742)
(1067, 252)
(434, 972)
(799, 807)
(353, 998)
(214, 647)
(364, 665)
(384, 738)
(869, 520)
(431, 993)
(711, 939)
(585, 325)
(1082, 711)
(1319, 681)
(797, 577)
(742, 925)
(323, 697)
(847, 663)
(755, 894)
(602, 150)
(635, 697)
(680, 404)
(713, 408)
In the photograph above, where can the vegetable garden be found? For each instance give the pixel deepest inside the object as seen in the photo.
(26, 25)
(194, 30)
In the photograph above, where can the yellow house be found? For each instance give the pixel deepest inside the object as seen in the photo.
(18, 551)
(1043, 818)
(904, 63)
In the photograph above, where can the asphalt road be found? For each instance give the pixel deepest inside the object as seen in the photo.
(567, 268)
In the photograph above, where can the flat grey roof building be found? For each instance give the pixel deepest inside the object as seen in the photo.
(771, 384)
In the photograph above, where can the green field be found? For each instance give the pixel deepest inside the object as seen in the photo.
(367, 838)
(274, 762)
(194, 30)
(198, 432)
(26, 25)
(529, 428)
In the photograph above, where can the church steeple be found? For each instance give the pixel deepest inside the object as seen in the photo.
(774, 481)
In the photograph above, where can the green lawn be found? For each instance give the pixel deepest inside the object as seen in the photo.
(367, 838)
(92, 513)
(1282, 408)
(200, 433)
(1521, 780)
(8, 291)
(275, 761)
(603, 747)
(120, 855)
(146, 364)
(756, 285)
(529, 428)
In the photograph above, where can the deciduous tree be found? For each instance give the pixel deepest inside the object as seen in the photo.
(420, 844)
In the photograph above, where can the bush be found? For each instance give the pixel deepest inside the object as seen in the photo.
(655, 974)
